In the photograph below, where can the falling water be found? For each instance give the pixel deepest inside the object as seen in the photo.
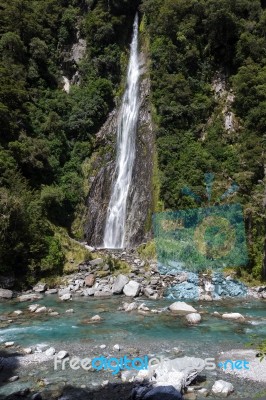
(114, 234)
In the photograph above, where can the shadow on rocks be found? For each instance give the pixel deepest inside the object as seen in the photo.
(117, 391)
(9, 362)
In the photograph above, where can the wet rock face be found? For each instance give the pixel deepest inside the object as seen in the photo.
(140, 194)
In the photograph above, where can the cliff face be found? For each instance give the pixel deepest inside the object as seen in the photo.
(140, 195)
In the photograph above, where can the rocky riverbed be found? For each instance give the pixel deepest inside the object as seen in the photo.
(132, 310)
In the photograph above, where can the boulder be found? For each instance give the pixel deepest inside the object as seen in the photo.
(148, 291)
(18, 312)
(62, 354)
(6, 294)
(119, 283)
(41, 287)
(130, 306)
(89, 292)
(233, 316)
(89, 280)
(222, 387)
(179, 372)
(96, 261)
(96, 318)
(41, 309)
(103, 293)
(51, 291)
(50, 352)
(27, 350)
(13, 378)
(33, 307)
(70, 311)
(193, 318)
(65, 297)
(181, 307)
(116, 347)
(131, 289)
(63, 291)
(30, 297)
(9, 344)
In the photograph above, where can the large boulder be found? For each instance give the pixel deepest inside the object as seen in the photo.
(222, 387)
(6, 294)
(156, 393)
(65, 297)
(233, 316)
(131, 289)
(30, 297)
(193, 318)
(181, 307)
(41, 287)
(89, 280)
(179, 372)
(119, 284)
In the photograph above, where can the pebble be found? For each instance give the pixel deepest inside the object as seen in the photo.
(9, 344)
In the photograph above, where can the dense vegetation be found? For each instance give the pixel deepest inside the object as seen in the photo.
(191, 42)
(47, 134)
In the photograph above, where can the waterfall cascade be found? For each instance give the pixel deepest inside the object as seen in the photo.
(114, 234)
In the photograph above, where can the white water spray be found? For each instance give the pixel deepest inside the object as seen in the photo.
(114, 234)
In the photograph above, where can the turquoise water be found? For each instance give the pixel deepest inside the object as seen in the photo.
(155, 334)
(30, 328)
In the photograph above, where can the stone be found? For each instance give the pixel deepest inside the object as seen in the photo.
(41, 347)
(193, 318)
(70, 311)
(148, 291)
(116, 347)
(41, 310)
(233, 316)
(9, 344)
(156, 393)
(178, 372)
(50, 352)
(13, 378)
(41, 287)
(130, 306)
(51, 291)
(102, 346)
(65, 297)
(18, 312)
(119, 284)
(96, 262)
(103, 293)
(6, 294)
(89, 292)
(62, 354)
(27, 350)
(54, 313)
(143, 307)
(131, 289)
(96, 318)
(204, 392)
(63, 291)
(222, 387)
(30, 297)
(182, 307)
(89, 280)
(33, 307)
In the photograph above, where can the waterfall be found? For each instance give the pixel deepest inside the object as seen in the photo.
(114, 234)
